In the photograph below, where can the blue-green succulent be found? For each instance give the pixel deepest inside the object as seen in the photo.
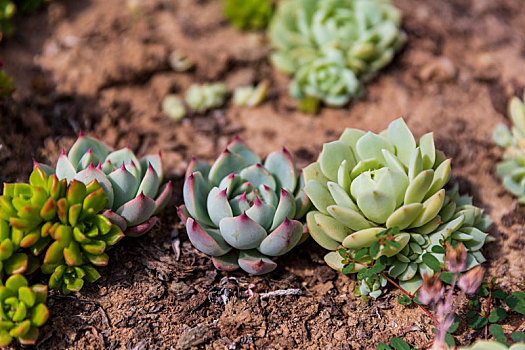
(243, 212)
(134, 187)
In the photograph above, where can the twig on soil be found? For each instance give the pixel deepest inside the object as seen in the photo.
(105, 317)
(175, 243)
(280, 292)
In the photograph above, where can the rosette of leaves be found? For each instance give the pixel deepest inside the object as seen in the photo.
(461, 222)
(201, 98)
(512, 168)
(365, 33)
(327, 79)
(371, 286)
(248, 14)
(365, 183)
(243, 213)
(22, 310)
(133, 186)
(62, 223)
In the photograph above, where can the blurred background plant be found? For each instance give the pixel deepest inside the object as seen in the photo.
(331, 47)
(249, 14)
(9, 8)
(6, 83)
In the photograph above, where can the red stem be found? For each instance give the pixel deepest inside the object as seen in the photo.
(428, 344)
(515, 329)
(488, 313)
(410, 296)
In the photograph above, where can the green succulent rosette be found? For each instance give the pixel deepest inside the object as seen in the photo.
(305, 33)
(248, 14)
(61, 223)
(512, 168)
(133, 187)
(243, 213)
(364, 183)
(22, 310)
(327, 79)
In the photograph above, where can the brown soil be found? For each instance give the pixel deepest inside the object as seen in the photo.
(101, 67)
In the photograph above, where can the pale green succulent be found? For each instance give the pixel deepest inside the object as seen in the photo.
(305, 33)
(327, 79)
(201, 98)
(461, 222)
(366, 182)
(371, 287)
(492, 345)
(173, 107)
(250, 96)
(243, 213)
(512, 168)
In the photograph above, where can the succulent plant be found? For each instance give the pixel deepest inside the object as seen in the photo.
(22, 310)
(366, 182)
(60, 222)
(201, 98)
(327, 79)
(250, 96)
(173, 107)
(492, 345)
(7, 11)
(371, 286)
(249, 14)
(179, 62)
(243, 213)
(332, 46)
(133, 187)
(461, 222)
(512, 168)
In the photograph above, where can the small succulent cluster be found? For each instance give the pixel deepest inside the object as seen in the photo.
(365, 183)
(58, 227)
(331, 47)
(201, 98)
(64, 221)
(512, 168)
(249, 14)
(22, 310)
(250, 96)
(133, 186)
(243, 213)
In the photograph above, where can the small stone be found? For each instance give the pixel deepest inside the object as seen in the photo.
(440, 69)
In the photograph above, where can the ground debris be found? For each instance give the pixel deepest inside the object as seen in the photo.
(200, 334)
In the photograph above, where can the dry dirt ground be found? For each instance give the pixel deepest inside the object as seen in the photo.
(101, 66)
